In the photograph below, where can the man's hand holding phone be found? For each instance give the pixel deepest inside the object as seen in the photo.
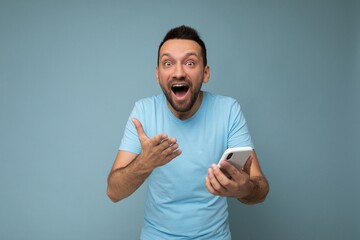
(226, 179)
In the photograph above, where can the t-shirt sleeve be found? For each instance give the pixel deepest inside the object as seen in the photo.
(130, 141)
(239, 135)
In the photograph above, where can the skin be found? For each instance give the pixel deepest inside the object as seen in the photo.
(181, 64)
(248, 185)
(130, 170)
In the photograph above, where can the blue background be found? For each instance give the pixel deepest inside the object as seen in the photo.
(70, 72)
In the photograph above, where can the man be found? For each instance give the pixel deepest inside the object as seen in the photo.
(174, 140)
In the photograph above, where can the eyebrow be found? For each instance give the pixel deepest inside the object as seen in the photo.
(186, 55)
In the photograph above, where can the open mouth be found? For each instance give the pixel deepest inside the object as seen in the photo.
(180, 90)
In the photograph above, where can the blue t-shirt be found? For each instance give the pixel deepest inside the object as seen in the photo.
(178, 204)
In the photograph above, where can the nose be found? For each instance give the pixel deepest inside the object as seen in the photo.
(179, 72)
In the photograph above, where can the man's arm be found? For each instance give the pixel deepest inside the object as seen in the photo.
(248, 185)
(130, 170)
(126, 176)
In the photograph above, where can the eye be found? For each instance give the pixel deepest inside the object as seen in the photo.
(190, 63)
(167, 63)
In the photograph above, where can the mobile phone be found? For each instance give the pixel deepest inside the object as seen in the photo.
(236, 156)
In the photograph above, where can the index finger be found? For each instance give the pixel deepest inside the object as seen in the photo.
(229, 168)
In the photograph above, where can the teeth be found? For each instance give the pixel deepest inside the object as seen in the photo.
(178, 85)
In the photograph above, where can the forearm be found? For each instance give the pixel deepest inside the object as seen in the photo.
(122, 182)
(258, 190)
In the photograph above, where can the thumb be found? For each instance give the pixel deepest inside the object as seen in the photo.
(139, 129)
(247, 165)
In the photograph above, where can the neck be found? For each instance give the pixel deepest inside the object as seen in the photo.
(191, 112)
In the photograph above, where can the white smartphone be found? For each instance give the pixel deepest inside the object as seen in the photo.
(236, 156)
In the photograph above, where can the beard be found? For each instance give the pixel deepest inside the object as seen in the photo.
(185, 106)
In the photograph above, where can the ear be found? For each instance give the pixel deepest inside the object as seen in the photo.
(206, 74)
(157, 74)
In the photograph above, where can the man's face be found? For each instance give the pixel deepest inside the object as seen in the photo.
(180, 74)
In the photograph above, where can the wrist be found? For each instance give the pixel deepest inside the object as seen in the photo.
(248, 192)
(257, 191)
(141, 165)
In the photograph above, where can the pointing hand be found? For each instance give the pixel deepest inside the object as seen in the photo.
(158, 150)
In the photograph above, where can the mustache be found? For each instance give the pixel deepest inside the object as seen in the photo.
(176, 79)
(180, 80)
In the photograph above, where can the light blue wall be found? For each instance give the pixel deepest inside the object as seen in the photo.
(70, 72)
